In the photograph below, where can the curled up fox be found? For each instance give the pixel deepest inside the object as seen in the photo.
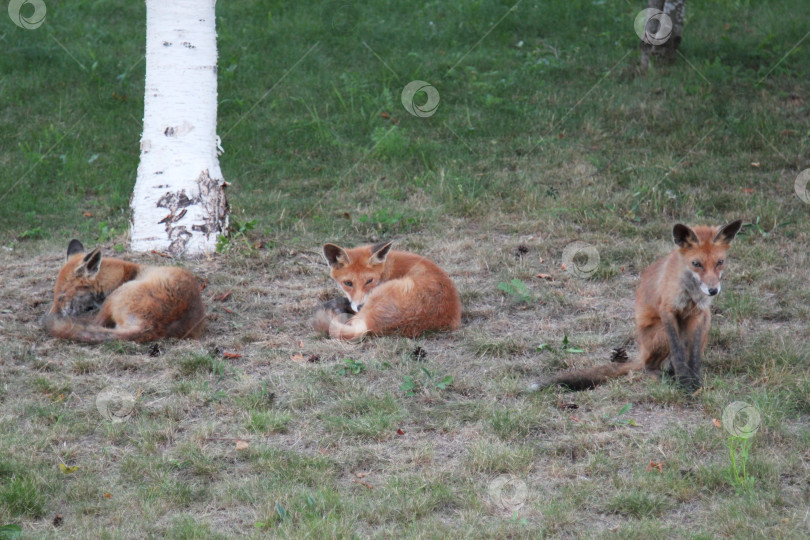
(387, 292)
(103, 299)
(672, 310)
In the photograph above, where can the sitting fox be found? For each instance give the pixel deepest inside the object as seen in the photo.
(387, 292)
(672, 310)
(109, 299)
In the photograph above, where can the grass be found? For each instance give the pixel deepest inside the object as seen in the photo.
(545, 135)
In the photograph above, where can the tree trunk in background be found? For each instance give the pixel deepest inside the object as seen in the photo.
(665, 51)
(178, 205)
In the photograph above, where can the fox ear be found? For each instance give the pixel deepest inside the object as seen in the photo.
(74, 247)
(683, 235)
(90, 265)
(379, 252)
(336, 256)
(728, 232)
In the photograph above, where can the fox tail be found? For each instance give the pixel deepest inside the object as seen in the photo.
(88, 331)
(583, 379)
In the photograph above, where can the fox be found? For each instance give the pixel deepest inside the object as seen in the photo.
(387, 293)
(99, 299)
(672, 311)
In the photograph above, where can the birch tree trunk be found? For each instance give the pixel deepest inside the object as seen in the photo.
(658, 43)
(178, 205)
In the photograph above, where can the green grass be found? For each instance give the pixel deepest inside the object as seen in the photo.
(545, 135)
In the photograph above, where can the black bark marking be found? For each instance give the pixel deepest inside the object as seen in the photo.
(210, 196)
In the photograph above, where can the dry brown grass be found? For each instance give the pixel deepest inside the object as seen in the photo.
(314, 431)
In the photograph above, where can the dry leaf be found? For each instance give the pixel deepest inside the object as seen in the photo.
(548, 277)
(88, 214)
(300, 344)
(231, 355)
(385, 115)
(242, 445)
(360, 474)
(364, 484)
(108, 495)
(656, 465)
(748, 190)
(574, 418)
(68, 470)
(400, 431)
(717, 423)
(297, 358)
(755, 163)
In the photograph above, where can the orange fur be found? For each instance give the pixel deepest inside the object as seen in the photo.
(673, 317)
(391, 292)
(103, 299)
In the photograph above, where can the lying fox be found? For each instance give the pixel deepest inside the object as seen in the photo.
(387, 292)
(109, 299)
(672, 310)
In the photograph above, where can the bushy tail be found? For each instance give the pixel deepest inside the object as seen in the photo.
(330, 319)
(583, 379)
(88, 331)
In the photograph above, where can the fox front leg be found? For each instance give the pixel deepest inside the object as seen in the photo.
(698, 330)
(678, 356)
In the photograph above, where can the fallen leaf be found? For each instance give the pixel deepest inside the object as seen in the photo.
(57, 520)
(748, 190)
(385, 115)
(400, 431)
(166, 255)
(360, 474)
(717, 423)
(231, 355)
(563, 266)
(242, 445)
(300, 344)
(297, 358)
(88, 214)
(68, 470)
(364, 484)
(548, 277)
(574, 418)
(755, 163)
(567, 406)
(224, 296)
(314, 359)
(108, 495)
(226, 310)
(656, 465)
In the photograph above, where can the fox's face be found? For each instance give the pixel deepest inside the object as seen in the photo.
(357, 270)
(704, 250)
(76, 291)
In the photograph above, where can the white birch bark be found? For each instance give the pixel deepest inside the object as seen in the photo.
(178, 204)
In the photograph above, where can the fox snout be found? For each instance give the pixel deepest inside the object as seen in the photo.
(712, 289)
